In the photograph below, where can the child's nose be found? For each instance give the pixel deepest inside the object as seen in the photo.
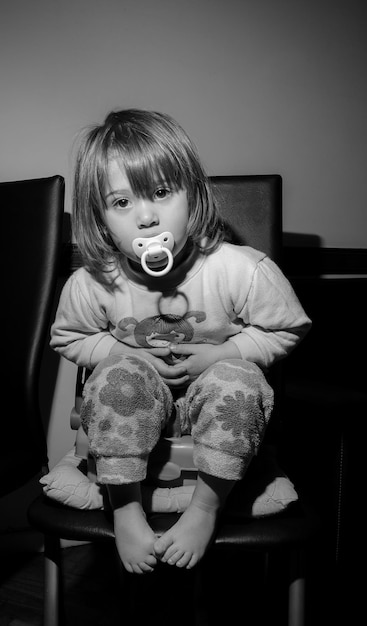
(146, 214)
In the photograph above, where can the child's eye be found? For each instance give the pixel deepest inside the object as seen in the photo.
(162, 193)
(121, 203)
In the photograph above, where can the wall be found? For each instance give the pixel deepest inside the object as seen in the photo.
(270, 86)
(266, 86)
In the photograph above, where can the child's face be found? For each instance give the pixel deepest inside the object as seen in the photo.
(128, 216)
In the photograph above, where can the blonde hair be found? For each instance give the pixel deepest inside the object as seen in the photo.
(151, 146)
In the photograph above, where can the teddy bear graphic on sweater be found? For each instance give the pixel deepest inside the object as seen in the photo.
(161, 330)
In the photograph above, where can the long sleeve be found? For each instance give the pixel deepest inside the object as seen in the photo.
(274, 320)
(80, 331)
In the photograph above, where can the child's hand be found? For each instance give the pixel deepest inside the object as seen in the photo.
(199, 356)
(174, 375)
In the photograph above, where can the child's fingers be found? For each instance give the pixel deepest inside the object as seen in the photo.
(173, 371)
(176, 382)
(160, 352)
(181, 348)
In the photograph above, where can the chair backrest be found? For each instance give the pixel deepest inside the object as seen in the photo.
(252, 206)
(32, 222)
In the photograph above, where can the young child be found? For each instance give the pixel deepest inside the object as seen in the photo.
(176, 324)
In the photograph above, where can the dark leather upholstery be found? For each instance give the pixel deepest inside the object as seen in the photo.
(252, 206)
(31, 220)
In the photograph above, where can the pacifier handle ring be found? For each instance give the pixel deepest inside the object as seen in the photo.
(162, 272)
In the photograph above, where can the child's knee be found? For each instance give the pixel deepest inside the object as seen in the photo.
(232, 372)
(125, 388)
(125, 361)
(118, 369)
(228, 386)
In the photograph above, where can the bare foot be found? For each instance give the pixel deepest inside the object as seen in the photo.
(134, 539)
(186, 542)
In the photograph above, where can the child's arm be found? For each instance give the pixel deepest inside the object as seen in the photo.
(274, 320)
(80, 331)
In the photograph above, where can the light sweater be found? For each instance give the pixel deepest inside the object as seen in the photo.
(234, 294)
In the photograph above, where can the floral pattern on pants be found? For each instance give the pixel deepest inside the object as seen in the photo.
(127, 405)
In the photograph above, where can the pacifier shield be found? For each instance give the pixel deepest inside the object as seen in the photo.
(153, 250)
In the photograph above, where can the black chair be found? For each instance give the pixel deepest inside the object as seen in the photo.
(251, 205)
(32, 221)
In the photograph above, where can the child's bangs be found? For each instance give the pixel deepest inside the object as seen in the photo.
(148, 167)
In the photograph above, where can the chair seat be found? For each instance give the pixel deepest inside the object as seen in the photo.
(291, 528)
(52, 518)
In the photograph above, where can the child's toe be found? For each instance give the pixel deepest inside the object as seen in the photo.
(186, 560)
(161, 546)
(145, 567)
(176, 556)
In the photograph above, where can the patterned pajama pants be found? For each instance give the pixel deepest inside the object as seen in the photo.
(127, 405)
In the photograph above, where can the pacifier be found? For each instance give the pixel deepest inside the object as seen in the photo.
(155, 249)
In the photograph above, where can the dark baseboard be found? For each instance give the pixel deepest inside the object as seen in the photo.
(317, 262)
